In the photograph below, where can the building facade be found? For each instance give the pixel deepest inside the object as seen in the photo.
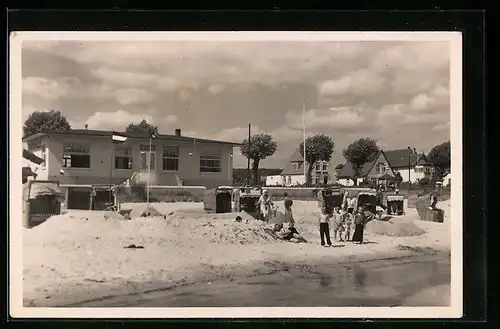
(293, 173)
(91, 157)
(377, 172)
(411, 165)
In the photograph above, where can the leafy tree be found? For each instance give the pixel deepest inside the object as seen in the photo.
(440, 156)
(362, 151)
(318, 148)
(260, 147)
(142, 128)
(39, 121)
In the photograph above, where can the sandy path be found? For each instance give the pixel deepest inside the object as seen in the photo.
(84, 258)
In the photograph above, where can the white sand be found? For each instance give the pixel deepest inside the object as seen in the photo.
(82, 253)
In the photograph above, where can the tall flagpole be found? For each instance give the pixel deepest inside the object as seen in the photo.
(304, 137)
(111, 203)
(149, 171)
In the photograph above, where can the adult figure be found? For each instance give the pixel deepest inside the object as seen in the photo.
(288, 209)
(324, 227)
(359, 221)
(264, 205)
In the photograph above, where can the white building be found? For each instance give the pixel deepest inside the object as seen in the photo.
(411, 165)
(293, 173)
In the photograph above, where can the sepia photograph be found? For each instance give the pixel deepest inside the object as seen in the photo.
(236, 174)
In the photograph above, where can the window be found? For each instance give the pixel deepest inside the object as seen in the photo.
(325, 179)
(171, 158)
(325, 167)
(289, 180)
(318, 167)
(295, 165)
(76, 155)
(210, 163)
(123, 157)
(144, 157)
(381, 168)
(419, 169)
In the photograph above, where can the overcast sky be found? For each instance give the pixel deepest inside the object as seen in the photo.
(395, 92)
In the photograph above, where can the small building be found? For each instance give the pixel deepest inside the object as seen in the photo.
(376, 172)
(90, 157)
(293, 173)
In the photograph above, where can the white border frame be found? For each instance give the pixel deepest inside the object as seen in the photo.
(16, 230)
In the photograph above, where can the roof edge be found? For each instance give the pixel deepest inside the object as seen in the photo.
(130, 135)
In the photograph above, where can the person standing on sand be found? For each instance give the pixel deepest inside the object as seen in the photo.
(264, 205)
(288, 209)
(359, 221)
(324, 227)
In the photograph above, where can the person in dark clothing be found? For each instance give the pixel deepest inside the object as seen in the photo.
(324, 227)
(360, 222)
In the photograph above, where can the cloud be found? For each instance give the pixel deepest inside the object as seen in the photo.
(135, 79)
(360, 82)
(423, 118)
(391, 110)
(184, 94)
(442, 126)
(343, 118)
(73, 88)
(133, 96)
(119, 120)
(216, 88)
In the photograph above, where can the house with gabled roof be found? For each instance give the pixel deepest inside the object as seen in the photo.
(378, 171)
(411, 165)
(293, 172)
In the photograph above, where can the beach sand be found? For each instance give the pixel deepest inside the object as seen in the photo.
(81, 255)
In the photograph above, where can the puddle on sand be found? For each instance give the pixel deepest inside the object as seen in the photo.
(374, 283)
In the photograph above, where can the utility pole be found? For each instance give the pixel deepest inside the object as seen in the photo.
(409, 168)
(248, 160)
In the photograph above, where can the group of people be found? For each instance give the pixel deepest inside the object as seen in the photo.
(345, 223)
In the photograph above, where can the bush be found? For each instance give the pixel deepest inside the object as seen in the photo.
(424, 181)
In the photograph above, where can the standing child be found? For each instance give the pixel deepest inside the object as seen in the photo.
(337, 224)
(348, 225)
(324, 227)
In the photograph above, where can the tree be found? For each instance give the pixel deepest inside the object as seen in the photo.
(362, 151)
(440, 156)
(318, 148)
(260, 147)
(142, 128)
(39, 121)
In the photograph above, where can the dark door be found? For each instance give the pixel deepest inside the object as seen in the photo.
(79, 198)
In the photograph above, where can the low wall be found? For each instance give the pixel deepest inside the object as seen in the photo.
(299, 193)
(166, 194)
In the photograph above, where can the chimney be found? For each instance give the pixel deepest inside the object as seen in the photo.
(177, 132)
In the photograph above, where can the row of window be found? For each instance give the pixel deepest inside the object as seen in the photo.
(427, 170)
(319, 166)
(78, 156)
(318, 179)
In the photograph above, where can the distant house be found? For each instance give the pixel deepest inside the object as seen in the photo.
(412, 165)
(293, 172)
(377, 172)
